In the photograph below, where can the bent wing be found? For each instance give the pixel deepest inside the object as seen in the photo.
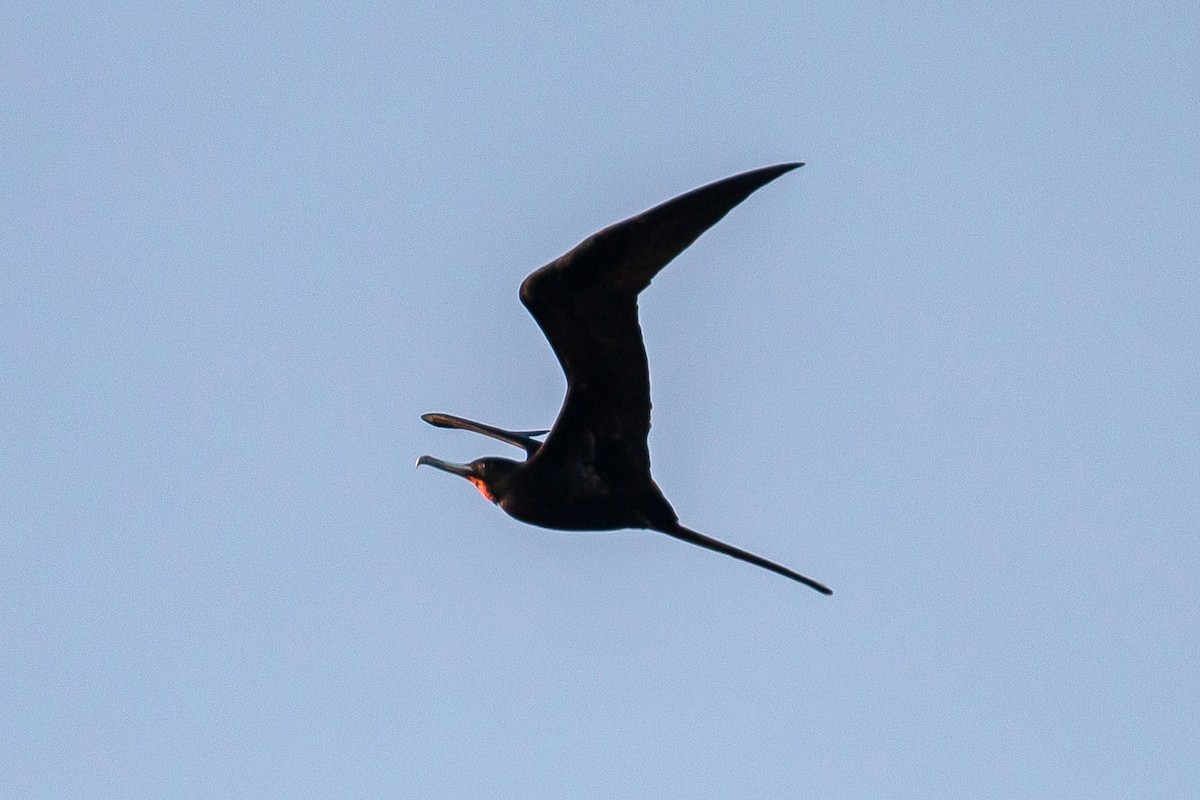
(586, 304)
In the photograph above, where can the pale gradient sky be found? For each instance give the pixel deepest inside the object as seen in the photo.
(951, 368)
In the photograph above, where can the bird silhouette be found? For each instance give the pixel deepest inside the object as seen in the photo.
(592, 472)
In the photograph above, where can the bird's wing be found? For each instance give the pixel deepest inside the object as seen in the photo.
(586, 303)
(523, 439)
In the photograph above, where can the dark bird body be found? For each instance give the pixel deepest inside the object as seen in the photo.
(593, 470)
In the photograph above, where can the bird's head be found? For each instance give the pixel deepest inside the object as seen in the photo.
(490, 475)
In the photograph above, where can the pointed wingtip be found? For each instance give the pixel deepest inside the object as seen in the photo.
(440, 420)
(767, 174)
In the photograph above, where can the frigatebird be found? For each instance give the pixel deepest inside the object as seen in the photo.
(592, 472)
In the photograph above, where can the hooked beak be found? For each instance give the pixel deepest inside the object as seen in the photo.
(446, 466)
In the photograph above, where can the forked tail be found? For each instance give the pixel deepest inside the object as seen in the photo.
(687, 535)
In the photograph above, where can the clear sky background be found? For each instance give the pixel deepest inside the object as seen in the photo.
(951, 368)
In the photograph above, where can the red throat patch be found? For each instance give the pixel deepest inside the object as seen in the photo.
(482, 487)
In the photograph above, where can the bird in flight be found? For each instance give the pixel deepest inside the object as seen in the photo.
(592, 472)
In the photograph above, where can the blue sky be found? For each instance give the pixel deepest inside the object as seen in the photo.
(950, 368)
